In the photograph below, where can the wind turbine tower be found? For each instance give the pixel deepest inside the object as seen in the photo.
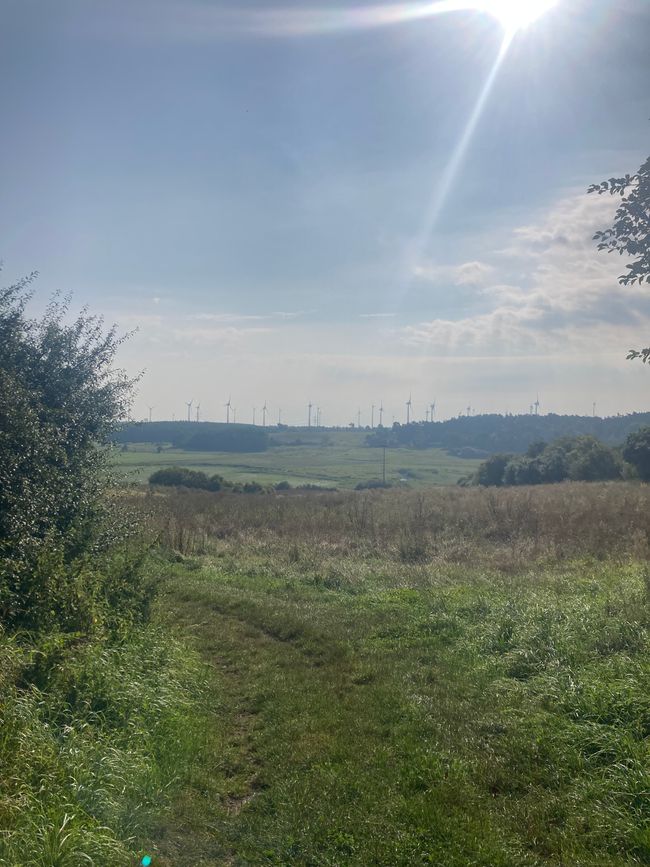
(189, 409)
(433, 409)
(151, 408)
(359, 417)
(381, 414)
(309, 406)
(408, 410)
(536, 405)
(198, 412)
(372, 417)
(264, 411)
(228, 405)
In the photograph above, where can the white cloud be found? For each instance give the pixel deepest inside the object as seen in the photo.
(467, 274)
(567, 295)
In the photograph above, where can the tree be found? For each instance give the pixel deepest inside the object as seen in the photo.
(637, 452)
(59, 400)
(630, 231)
(589, 460)
(490, 472)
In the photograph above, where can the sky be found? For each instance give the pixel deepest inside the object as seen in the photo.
(343, 205)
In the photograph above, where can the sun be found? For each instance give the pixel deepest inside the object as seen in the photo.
(517, 14)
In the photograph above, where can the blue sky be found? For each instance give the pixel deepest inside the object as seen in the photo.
(266, 201)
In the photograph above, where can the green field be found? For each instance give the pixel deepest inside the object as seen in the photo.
(406, 678)
(337, 459)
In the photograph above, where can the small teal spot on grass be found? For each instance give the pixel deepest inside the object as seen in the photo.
(146, 861)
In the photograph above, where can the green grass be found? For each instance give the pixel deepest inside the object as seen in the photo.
(331, 458)
(368, 710)
(92, 753)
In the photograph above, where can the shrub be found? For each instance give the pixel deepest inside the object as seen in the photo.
(637, 452)
(59, 400)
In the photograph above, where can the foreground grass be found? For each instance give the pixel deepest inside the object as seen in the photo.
(368, 710)
(93, 739)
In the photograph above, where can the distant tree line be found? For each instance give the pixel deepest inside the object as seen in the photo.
(183, 477)
(492, 434)
(196, 436)
(582, 458)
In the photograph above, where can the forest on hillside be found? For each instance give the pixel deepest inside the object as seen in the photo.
(195, 436)
(506, 433)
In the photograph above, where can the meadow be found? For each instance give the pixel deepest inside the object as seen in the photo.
(327, 458)
(448, 677)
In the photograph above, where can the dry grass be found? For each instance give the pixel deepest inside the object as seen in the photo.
(504, 528)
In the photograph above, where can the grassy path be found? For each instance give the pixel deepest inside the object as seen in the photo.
(392, 725)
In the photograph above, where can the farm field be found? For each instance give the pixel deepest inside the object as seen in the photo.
(336, 459)
(406, 678)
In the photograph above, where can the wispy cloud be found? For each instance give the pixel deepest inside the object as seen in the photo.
(466, 274)
(194, 21)
(568, 298)
(243, 317)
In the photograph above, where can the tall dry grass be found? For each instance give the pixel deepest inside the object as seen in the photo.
(507, 527)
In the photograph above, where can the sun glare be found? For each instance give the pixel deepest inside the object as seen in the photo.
(517, 14)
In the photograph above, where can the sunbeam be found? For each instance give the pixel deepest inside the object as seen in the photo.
(451, 170)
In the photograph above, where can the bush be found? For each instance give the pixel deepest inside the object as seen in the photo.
(59, 400)
(637, 452)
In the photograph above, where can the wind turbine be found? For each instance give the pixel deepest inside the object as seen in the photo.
(189, 409)
(381, 414)
(408, 410)
(228, 405)
(309, 406)
(359, 417)
(198, 412)
(264, 411)
(536, 405)
(433, 409)
(279, 415)
(151, 408)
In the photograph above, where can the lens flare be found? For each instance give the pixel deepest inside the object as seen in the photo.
(516, 14)
(312, 20)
